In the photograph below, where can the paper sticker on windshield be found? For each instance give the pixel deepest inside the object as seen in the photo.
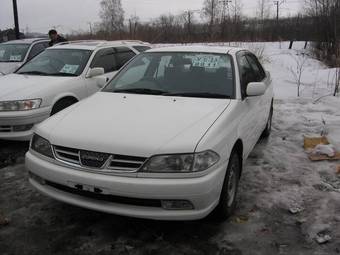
(2, 53)
(71, 69)
(15, 58)
(207, 61)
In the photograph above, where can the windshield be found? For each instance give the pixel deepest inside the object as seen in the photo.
(13, 52)
(57, 62)
(177, 74)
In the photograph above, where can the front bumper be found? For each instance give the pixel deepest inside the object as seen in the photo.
(203, 192)
(9, 120)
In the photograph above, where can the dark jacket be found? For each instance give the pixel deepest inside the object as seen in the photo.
(59, 40)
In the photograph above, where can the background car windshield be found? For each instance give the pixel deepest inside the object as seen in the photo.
(177, 73)
(13, 52)
(61, 62)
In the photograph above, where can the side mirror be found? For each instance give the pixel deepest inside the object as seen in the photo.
(101, 81)
(256, 89)
(93, 72)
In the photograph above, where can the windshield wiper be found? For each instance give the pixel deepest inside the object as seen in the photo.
(62, 74)
(33, 73)
(198, 94)
(141, 91)
(9, 61)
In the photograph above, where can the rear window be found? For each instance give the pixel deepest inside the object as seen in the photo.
(141, 48)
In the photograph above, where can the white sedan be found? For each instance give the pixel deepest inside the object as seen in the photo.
(14, 54)
(165, 139)
(57, 78)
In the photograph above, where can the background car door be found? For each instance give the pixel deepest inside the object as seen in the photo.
(251, 106)
(36, 49)
(111, 59)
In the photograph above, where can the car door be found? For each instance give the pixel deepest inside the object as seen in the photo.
(111, 59)
(265, 100)
(36, 49)
(250, 106)
(104, 58)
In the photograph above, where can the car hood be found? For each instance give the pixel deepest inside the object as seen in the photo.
(9, 67)
(18, 87)
(137, 125)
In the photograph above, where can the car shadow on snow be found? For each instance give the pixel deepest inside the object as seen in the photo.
(67, 228)
(12, 152)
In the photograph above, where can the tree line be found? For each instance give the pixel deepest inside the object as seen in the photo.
(223, 20)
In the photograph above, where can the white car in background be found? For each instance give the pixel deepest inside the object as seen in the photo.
(165, 139)
(14, 54)
(55, 79)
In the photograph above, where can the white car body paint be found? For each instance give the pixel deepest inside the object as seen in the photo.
(49, 89)
(10, 67)
(144, 126)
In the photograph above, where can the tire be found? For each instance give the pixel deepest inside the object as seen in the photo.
(227, 202)
(62, 104)
(268, 128)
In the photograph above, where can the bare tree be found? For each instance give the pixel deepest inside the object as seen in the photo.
(133, 24)
(188, 20)
(326, 18)
(337, 82)
(112, 15)
(297, 70)
(263, 9)
(237, 7)
(211, 10)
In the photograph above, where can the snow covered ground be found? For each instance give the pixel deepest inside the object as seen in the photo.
(286, 202)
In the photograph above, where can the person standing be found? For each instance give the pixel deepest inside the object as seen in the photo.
(55, 37)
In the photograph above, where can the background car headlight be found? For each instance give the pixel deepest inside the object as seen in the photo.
(181, 163)
(41, 145)
(21, 105)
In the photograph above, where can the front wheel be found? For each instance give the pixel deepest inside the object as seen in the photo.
(227, 203)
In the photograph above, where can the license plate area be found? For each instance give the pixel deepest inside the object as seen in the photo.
(88, 188)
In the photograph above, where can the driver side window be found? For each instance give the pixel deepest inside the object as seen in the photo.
(36, 49)
(246, 74)
(106, 59)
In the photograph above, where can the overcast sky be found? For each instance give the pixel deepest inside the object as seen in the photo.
(75, 15)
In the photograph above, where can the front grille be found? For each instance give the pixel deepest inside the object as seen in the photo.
(6, 129)
(107, 198)
(16, 128)
(99, 160)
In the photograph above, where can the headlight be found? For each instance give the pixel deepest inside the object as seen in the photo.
(41, 145)
(22, 105)
(181, 163)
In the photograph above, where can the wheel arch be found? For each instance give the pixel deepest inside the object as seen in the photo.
(63, 97)
(238, 148)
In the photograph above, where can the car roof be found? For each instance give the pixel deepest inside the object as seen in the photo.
(95, 44)
(198, 48)
(26, 41)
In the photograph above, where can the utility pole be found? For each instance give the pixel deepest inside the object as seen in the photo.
(16, 20)
(225, 4)
(235, 12)
(278, 4)
(90, 26)
(277, 11)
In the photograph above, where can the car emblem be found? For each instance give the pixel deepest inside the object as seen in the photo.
(93, 159)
